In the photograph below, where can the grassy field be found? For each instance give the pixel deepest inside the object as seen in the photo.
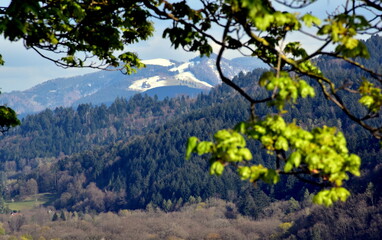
(31, 202)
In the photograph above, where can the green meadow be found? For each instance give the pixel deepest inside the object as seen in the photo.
(31, 202)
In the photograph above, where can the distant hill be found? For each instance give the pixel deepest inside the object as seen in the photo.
(162, 77)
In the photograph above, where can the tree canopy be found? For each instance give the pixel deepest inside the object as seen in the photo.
(79, 31)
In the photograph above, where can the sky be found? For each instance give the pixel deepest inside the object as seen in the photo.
(24, 69)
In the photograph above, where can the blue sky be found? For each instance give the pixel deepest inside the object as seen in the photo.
(25, 68)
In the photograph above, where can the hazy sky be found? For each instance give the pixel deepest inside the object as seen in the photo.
(25, 68)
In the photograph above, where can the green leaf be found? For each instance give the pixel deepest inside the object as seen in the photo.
(191, 145)
(322, 197)
(222, 135)
(342, 193)
(8, 117)
(351, 43)
(354, 164)
(309, 20)
(204, 147)
(245, 153)
(288, 166)
(295, 159)
(257, 171)
(216, 168)
(305, 90)
(233, 155)
(328, 196)
(267, 141)
(281, 144)
(241, 127)
(244, 172)
(271, 177)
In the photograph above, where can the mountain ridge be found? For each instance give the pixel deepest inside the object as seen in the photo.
(103, 87)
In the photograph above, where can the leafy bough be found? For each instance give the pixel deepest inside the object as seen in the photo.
(320, 153)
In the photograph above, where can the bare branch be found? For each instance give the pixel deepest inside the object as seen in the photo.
(372, 73)
(373, 4)
(295, 4)
(172, 17)
(228, 81)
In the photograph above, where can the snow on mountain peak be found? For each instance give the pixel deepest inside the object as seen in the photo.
(181, 79)
(182, 67)
(158, 61)
(198, 74)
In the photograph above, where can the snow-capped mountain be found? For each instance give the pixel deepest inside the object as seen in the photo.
(163, 77)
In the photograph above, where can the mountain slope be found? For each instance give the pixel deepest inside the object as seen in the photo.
(161, 76)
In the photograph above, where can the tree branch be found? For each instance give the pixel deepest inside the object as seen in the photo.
(228, 81)
(375, 75)
(172, 17)
(373, 4)
(292, 5)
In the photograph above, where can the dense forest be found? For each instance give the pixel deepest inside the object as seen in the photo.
(130, 155)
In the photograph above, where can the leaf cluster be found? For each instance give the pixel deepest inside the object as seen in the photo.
(8, 118)
(78, 30)
(321, 152)
(285, 89)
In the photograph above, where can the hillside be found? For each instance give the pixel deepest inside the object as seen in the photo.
(134, 151)
(122, 153)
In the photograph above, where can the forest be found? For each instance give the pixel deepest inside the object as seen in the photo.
(126, 161)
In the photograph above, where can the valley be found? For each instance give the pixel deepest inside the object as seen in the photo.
(124, 163)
